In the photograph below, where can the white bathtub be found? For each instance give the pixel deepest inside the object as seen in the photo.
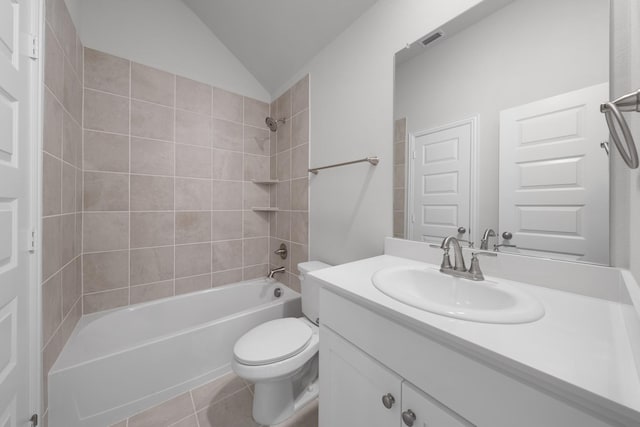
(121, 362)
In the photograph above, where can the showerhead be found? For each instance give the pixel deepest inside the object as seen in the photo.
(273, 123)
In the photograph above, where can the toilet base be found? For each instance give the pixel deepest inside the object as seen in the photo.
(275, 401)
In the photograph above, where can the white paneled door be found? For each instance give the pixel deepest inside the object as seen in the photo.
(440, 194)
(554, 176)
(17, 70)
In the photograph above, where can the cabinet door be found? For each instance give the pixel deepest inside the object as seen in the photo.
(355, 389)
(420, 410)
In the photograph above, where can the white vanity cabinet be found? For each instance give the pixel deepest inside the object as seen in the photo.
(365, 355)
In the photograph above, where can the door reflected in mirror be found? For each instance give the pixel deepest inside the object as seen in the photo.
(498, 132)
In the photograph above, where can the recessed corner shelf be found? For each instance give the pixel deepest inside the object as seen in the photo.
(265, 181)
(267, 209)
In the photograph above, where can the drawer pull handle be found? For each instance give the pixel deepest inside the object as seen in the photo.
(388, 400)
(408, 417)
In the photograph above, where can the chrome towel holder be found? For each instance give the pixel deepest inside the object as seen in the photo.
(372, 160)
(613, 110)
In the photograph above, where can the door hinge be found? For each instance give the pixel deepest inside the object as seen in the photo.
(34, 420)
(31, 45)
(32, 241)
(413, 155)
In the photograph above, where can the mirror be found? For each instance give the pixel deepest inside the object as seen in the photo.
(498, 131)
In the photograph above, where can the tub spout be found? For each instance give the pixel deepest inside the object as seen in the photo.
(274, 271)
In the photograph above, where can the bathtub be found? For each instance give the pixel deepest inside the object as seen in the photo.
(124, 361)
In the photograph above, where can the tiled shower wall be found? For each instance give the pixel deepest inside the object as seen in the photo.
(168, 191)
(62, 184)
(289, 166)
(399, 180)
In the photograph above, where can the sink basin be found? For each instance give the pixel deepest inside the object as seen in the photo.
(430, 290)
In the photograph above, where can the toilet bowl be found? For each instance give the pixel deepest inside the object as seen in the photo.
(281, 357)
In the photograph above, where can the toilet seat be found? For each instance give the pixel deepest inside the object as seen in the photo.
(272, 342)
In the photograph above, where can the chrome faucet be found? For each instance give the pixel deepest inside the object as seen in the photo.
(274, 271)
(484, 242)
(459, 269)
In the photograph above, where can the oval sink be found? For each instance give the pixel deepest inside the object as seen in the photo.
(430, 290)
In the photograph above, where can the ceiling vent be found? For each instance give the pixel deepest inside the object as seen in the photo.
(431, 38)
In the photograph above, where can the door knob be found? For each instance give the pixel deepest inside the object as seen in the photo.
(462, 230)
(507, 235)
(388, 400)
(408, 417)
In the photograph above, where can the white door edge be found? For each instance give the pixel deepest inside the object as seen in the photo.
(474, 233)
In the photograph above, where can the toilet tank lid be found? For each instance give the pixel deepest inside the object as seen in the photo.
(309, 266)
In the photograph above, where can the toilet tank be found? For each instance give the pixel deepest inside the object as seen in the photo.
(310, 289)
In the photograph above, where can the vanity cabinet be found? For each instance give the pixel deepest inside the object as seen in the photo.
(365, 355)
(359, 391)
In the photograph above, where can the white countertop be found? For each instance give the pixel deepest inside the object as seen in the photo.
(580, 347)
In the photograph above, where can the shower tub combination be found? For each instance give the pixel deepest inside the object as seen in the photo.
(124, 361)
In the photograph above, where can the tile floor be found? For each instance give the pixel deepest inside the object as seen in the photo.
(224, 402)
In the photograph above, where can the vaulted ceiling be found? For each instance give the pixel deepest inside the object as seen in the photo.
(274, 38)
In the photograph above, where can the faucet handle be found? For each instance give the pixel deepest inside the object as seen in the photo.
(477, 254)
(474, 269)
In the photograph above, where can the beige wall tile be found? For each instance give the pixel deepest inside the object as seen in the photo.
(398, 176)
(72, 92)
(283, 195)
(226, 255)
(105, 271)
(151, 193)
(149, 229)
(300, 161)
(255, 272)
(227, 195)
(283, 165)
(52, 125)
(256, 224)
(255, 113)
(255, 251)
(106, 112)
(256, 195)
(71, 285)
(105, 231)
(300, 95)
(283, 136)
(192, 194)
(151, 84)
(227, 135)
(399, 153)
(398, 199)
(151, 265)
(227, 105)
(227, 165)
(193, 96)
(193, 227)
(193, 260)
(106, 191)
(106, 152)
(193, 162)
(193, 284)
(256, 141)
(144, 293)
(222, 278)
(300, 227)
(152, 157)
(101, 301)
(51, 185)
(256, 167)
(190, 421)
(283, 225)
(51, 245)
(300, 194)
(192, 128)
(106, 72)
(227, 225)
(300, 128)
(399, 130)
(283, 105)
(71, 140)
(151, 121)
(299, 253)
(68, 237)
(51, 306)
(164, 414)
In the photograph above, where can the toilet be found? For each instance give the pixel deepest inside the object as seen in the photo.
(281, 356)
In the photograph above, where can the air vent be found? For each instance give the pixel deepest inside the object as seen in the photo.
(431, 38)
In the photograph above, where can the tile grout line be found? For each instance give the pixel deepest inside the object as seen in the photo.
(175, 168)
(129, 182)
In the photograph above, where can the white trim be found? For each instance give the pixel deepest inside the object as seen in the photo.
(474, 234)
(36, 82)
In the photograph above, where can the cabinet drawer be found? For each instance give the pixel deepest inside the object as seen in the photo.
(420, 410)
